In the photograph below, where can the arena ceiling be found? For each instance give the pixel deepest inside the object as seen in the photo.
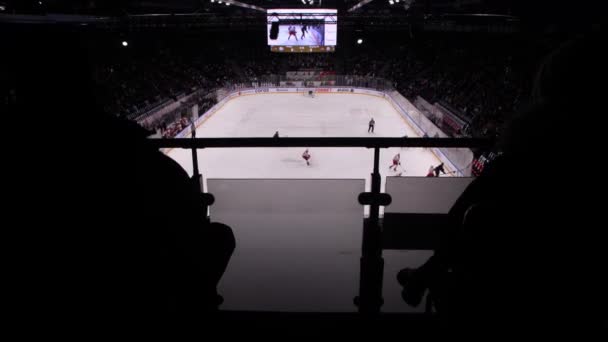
(537, 11)
(122, 7)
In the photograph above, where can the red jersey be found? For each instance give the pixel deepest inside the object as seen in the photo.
(396, 159)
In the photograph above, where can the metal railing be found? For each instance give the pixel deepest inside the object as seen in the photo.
(201, 143)
(370, 297)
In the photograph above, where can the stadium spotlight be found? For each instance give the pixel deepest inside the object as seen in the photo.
(219, 1)
(227, 4)
(391, 2)
(125, 43)
(212, 0)
(304, 2)
(359, 41)
(397, 1)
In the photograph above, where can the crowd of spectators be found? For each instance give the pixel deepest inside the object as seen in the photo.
(137, 83)
(482, 82)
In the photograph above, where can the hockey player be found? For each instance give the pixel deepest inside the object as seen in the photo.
(431, 172)
(306, 156)
(438, 169)
(276, 134)
(304, 31)
(396, 162)
(292, 32)
(371, 125)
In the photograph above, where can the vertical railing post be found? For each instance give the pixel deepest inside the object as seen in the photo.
(195, 171)
(370, 299)
(197, 178)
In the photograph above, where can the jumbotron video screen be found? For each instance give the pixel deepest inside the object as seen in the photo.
(302, 30)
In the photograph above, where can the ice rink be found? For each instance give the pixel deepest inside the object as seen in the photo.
(296, 115)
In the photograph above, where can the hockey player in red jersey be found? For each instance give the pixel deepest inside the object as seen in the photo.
(396, 162)
(306, 156)
(431, 172)
(292, 32)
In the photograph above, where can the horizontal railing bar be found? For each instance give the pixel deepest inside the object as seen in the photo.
(321, 142)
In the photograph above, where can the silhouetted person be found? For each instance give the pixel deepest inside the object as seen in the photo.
(503, 262)
(131, 238)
